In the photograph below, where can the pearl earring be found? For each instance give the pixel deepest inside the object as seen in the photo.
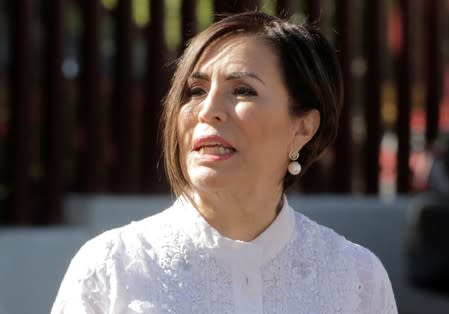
(294, 167)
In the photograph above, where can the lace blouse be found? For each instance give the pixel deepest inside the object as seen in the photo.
(175, 262)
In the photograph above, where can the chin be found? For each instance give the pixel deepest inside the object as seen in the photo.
(206, 178)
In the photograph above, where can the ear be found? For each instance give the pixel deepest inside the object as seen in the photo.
(305, 127)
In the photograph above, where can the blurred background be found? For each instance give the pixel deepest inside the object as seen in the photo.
(81, 84)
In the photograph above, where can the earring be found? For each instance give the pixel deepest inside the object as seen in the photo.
(294, 167)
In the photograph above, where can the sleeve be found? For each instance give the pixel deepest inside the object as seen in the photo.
(84, 289)
(376, 293)
(384, 301)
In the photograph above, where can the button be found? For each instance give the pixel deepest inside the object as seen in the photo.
(248, 289)
(249, 285)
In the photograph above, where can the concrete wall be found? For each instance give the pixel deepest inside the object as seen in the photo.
(33, 260)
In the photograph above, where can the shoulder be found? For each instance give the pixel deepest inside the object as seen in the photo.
(326, 241)
(113, 257)
(348, 265)
(335, 254)
(126, 241)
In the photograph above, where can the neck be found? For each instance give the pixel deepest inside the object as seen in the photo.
(239, 217)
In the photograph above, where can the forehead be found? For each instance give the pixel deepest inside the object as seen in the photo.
(238, 52)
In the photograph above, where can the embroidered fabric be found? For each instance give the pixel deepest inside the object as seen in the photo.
(175, 262)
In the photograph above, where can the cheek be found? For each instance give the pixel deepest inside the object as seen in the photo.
(268, 122)
(186, 122)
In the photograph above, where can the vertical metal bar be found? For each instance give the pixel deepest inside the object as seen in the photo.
(4, 120)
(19, 145)
(373, 81)
(342, 176)
(188, 22)
(403, 76)
(157, 84)
(248, 5)
(284, 8)
(223, 6)
(55, 131)
(314, 180)
(234, 6)
(434, 68)
(124, 176)
(314, 11)
(93, 177)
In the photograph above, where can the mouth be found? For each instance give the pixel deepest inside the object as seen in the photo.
(214, 150)
(212, 145)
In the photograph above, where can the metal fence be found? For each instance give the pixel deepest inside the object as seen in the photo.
(80, 109)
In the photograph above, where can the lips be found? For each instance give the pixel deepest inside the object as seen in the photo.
(212, 145)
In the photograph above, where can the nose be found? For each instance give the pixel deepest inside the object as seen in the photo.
(213, 108)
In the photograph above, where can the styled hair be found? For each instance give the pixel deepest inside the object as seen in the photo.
(310, 71)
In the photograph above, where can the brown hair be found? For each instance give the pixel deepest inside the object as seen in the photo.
(310, 70)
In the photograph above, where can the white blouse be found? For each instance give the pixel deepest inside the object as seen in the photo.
(175, 262)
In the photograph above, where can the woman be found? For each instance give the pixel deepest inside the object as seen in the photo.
(252, 98)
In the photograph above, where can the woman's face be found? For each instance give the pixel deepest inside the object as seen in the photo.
(236, 129)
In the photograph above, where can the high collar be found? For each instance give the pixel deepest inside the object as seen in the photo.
(256, 252)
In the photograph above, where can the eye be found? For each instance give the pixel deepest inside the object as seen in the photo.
(195, 91)
(244, 91)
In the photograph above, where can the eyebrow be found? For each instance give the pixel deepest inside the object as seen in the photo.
(230, 76)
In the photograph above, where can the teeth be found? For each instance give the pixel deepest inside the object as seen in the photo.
(215, 150)
(211, 144)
